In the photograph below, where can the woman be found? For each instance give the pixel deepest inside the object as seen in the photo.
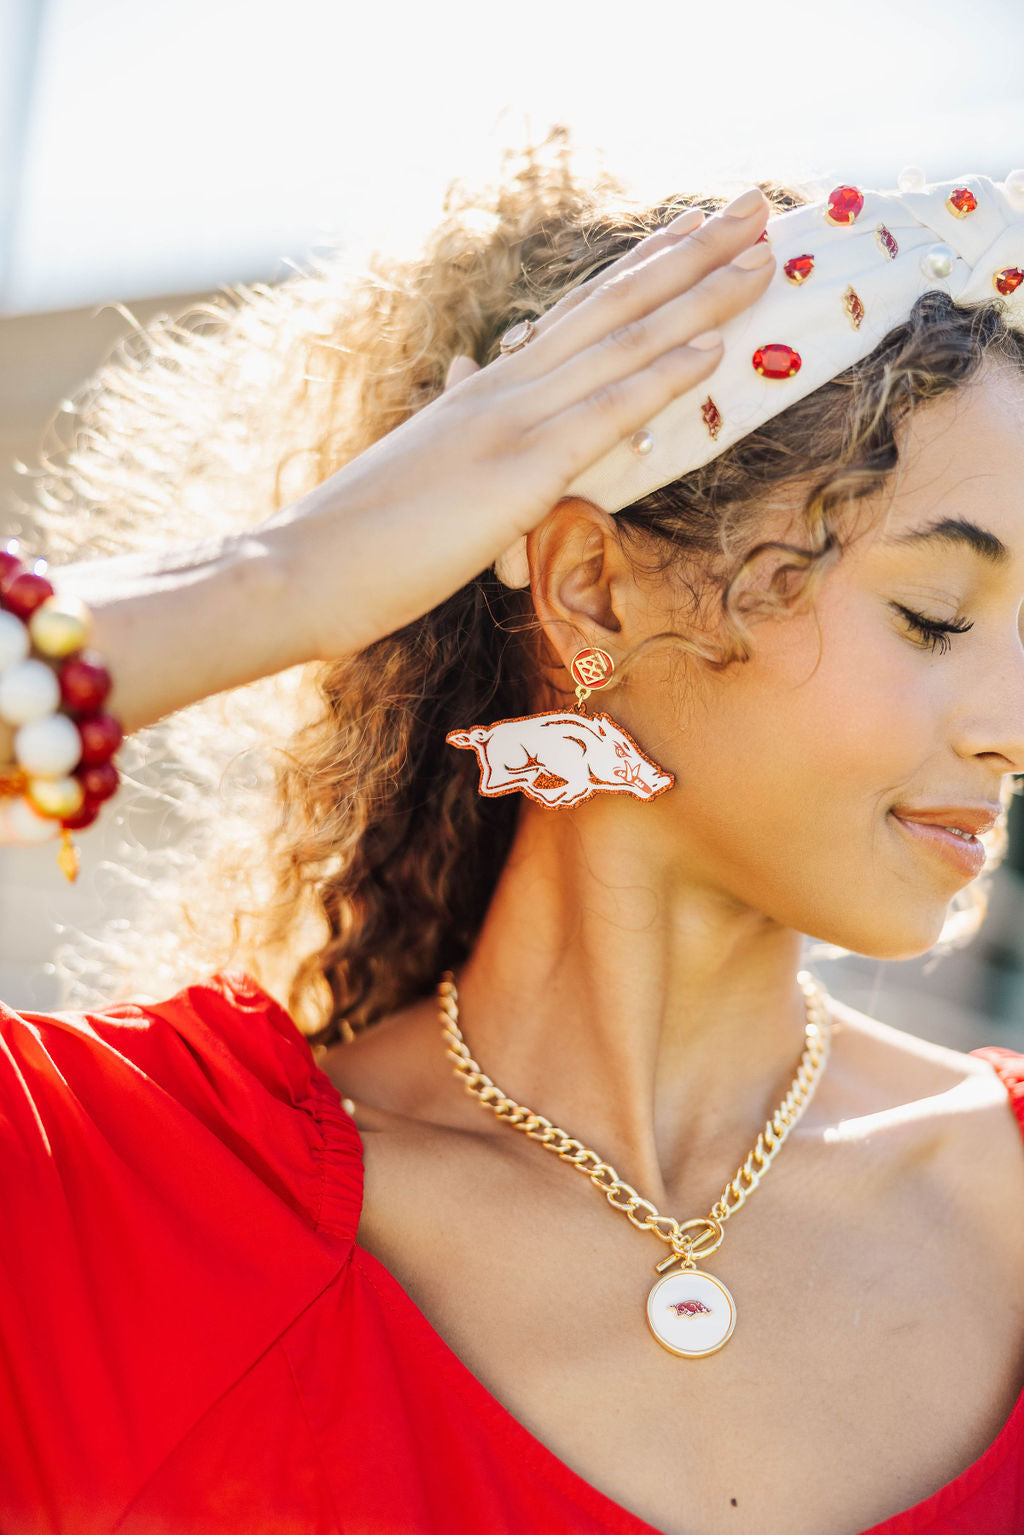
(250, 1288)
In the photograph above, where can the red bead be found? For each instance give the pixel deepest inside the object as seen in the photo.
(24, 592)
(1009, 279)
(844, 204)
(777, 361)
(961, 202)
(10, 564)
(799, 268)
(762, 236)
(100, 781)
(84, 817)
(84, 681)
(101, 736)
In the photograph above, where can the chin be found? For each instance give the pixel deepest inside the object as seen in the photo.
(902, 934)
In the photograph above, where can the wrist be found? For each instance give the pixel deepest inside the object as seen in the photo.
(281, 566)
(186, 623)
(305, 545)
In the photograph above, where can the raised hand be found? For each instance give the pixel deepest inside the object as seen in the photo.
(427, 507)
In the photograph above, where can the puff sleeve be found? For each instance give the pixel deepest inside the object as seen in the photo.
(164, 1216)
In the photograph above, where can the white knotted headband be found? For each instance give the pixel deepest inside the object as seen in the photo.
(850, 269)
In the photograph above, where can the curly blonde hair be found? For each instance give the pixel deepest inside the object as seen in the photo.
(318, 830)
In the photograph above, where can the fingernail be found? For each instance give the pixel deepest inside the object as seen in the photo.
(741, 207)
(686, 223)
(706, 340)
(757, 255)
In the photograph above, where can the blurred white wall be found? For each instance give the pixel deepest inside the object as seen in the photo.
(194, 142)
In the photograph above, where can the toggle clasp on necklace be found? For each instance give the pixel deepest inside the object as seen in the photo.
(691, 1313)
(687, 1250)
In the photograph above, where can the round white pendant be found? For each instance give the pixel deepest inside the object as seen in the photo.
(691, 1313)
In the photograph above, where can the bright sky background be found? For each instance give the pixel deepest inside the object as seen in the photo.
(184, 144)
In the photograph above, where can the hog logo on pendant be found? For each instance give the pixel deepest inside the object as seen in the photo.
(689, 1308)
(561, 759)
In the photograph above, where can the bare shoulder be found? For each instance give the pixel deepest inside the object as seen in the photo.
(908, 1059)
(948, 1108)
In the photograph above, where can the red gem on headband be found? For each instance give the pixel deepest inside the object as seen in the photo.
(776, 361)
(799, 268)
(961, 201)
(854, 307)
(887, 242)
(1009, 279)
(844, 204)
(712, 417)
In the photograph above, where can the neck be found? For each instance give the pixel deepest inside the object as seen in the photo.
(642, 1011)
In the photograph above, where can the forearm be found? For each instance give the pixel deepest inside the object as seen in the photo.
(179, 625)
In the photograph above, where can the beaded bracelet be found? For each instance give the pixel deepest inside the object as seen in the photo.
(52, 690)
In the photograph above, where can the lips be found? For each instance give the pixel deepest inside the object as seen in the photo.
(960, 849)
(974, 819)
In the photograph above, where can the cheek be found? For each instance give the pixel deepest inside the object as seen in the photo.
(810, 740)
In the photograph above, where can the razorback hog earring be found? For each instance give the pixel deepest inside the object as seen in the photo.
(562, 759)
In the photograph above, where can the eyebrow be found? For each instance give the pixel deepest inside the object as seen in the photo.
(957, 530)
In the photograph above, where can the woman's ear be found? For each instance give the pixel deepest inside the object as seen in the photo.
(578, 577)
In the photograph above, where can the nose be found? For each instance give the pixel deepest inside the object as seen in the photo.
(993, 723)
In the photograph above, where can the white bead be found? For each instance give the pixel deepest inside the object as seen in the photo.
(27, 692)
(57, 797)
(48, 747)
(911, 179)
(938, 262)
(24, 825)
(1014, 188)
(14, 641)
(641, 442)
(59, 626)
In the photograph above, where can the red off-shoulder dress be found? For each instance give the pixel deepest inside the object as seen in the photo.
(192, 1341)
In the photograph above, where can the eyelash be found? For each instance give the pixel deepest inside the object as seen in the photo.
(935, 634)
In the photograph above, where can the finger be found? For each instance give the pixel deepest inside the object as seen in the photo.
(578, 436)
(683, 224)
(725, 292)
(644, 287)
(459, 368)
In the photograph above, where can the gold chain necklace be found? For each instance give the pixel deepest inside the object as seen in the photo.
(689, 1312)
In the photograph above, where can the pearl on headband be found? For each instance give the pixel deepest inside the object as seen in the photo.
(850, 268)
